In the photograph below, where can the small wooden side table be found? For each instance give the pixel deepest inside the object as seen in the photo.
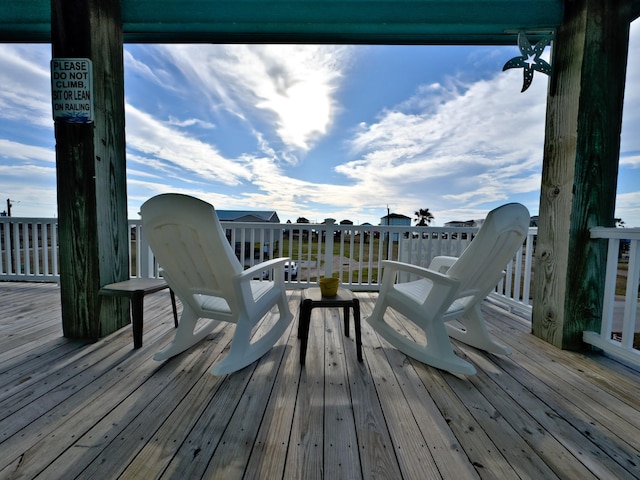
(135, 289)
(312, 298)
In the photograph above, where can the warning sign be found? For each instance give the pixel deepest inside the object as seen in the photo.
(72, 89)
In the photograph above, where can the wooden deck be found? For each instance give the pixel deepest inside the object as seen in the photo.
(103, 410)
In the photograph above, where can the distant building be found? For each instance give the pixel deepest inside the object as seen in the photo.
(478, 223)
(254, 216)
(248, 216)
(465, 223)
(395, 219)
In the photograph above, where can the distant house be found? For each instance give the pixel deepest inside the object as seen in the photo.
(346, 222)
(248, 216)
(464, 223)
(478, 223)
(395, 219)
(254, 216)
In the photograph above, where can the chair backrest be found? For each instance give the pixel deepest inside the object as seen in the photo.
(190, 245)
(480, 266)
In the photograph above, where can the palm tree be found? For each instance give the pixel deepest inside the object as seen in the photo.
(424, 217)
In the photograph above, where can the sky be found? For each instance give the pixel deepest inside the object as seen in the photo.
(342, 132)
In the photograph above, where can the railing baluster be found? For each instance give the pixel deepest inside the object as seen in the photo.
(631, 297)
(16, 249)
(45, 249)
(623, 346)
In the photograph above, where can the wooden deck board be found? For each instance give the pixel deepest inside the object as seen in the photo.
(73, 409)
(411, 449)
(272, 440)
(531, 453)
(341, 456)
(566, 393)
(305, 456)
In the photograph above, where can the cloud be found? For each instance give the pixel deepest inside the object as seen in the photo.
(31, 188)
(628, 208)
(454, 145)
(630, 161)
(159, 141)
(289, 86)
(190, 122)
(630, 140)
(25, 96)
(151, 74)
(20, 151)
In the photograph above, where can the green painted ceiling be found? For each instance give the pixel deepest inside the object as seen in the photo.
(470, 22)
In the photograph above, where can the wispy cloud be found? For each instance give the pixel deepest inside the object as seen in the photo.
(627, 208)
(148, 135)
(631, 161)
(453, 146)
(630, 140)
(190, 122)
(289, 86)
(25, 95)
(31, 189)
(20, 151)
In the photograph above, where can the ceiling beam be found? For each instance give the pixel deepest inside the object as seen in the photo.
(635, 10)
(470, 22)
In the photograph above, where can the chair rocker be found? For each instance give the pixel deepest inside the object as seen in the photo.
(452, 289)
(200, 266)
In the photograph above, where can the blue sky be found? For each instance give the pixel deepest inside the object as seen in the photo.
(312, 131)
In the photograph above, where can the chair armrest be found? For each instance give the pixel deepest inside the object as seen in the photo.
(436, 277)
(438, 296)
(442, 263)
(277, 263)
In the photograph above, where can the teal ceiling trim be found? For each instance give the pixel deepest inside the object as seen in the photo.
(469, 22)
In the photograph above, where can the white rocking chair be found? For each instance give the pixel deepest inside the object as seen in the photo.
(201, 268)
(452, 288)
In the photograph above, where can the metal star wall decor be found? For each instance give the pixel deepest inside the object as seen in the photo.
(530, 59)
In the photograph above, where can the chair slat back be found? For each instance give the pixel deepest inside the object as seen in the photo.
(480, 266)
(189, 243)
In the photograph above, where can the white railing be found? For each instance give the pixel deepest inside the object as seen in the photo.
(514, 291)
(350, 252)
(619, 333)
(29, 249)
(29, 252)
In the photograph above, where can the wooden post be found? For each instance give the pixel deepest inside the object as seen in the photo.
(91, 170)
(580, 168)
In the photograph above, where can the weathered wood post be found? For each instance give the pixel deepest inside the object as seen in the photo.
(580, 168)
(90, 162)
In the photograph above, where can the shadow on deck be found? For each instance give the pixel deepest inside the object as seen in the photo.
(103, 410)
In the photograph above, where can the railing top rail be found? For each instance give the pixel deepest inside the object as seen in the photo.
(336, 227)
(4, 219)
(613, 232)
(319, 226)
